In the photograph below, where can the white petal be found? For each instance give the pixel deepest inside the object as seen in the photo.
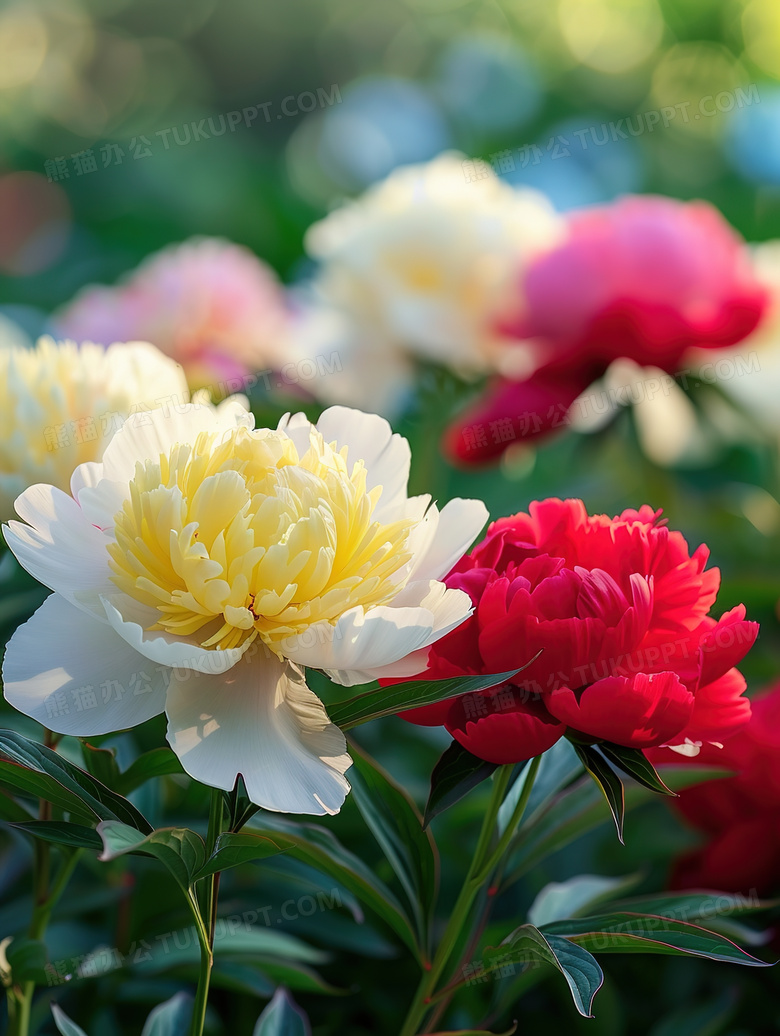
(60, 548)
(299, 428)
(259, 720)
(76, 676)
(144, 436)
(443, 537)
(101, 502)
(370, 438)
(87, 474)
(131, 620)
(362, 644)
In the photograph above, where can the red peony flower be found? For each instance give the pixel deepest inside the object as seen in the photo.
(741, 814)
(619, 609)
(646, 278)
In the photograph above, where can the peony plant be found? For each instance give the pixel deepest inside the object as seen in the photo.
(212, 571)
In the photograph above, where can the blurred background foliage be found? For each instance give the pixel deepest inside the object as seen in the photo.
(394, 81)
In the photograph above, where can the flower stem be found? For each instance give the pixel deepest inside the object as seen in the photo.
(22, 997)
(206, 917)
(44, 900)
(480, 869)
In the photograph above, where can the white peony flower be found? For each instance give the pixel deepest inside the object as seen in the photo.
(428, 262)
(202, 565)
(60, 404)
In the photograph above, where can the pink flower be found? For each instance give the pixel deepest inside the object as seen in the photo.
(211, 305)
(619, 609)
(647, 278)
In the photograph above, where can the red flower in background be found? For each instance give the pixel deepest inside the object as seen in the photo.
(740, 814)
(619, 608)
(646, 278)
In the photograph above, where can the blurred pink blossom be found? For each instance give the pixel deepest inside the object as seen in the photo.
(213, 306)
(646, 278)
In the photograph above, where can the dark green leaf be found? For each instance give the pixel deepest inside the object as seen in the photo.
(158, 763)
(322, 850)
(180, 850)
(100, 800)
(62, 833)
(634, 762)
(560, 765)
(562, 899)
(394, 821)
(626, 932)
(231, 850)
(476, 1032)
(12, 811)
(21, 781)
(527, 944)
(712, 910)
(608, 782)
(579, 809)
(171, 1018)
(387, 701)
(282, 1017)
(453, 777)
(27, 959)
(101, 763)
(64, 1025)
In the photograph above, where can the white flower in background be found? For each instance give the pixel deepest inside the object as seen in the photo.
(667, 425)
(361, 366)
(212, 305)
(202, 565)
(60, 404)
(428, 261)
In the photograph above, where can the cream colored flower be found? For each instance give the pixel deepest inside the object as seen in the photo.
(426, 262)
(202, 565)
(60, 404)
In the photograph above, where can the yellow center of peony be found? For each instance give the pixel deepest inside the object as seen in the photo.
(238, 537)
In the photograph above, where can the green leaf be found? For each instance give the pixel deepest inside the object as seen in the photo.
(579, 809)
(62, 833)
(476, 1032)
(387, 701)
(182, 851)
(580, 969)
(607, 781)
(713, 910)
(101, 763)
(626, 932)
(321, 849)
(27, 959)
(282, 1017)
(64, 1025)
(95, 796)
(394, 821)
(560, 900)
(453, 777)
(21, 781)
(231, 850)
(12, 811)
(171, 1018)
(159, 762)
(559, 766)
(634, 762)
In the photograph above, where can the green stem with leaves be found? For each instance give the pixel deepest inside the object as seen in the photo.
(482, 865)
(205, 916)
(45, 898)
